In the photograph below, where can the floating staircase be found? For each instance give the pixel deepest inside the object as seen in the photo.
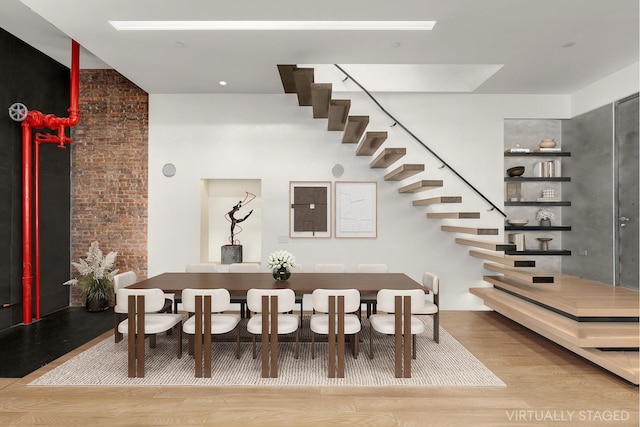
(519, 292)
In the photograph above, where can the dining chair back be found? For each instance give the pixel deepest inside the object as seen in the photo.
(207, 320)
(399, 320)
(242, 267)
(274, 306)
(142, 306)
(205, 267)
(370, 300)
(334, 308)
(330, 268)
(431, 282)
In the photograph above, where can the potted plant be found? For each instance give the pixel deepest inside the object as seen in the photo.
(96, 278)
(545, 216)
(279, 262)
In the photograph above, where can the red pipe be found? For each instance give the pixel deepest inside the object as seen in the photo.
(27, 278)
(37, 120)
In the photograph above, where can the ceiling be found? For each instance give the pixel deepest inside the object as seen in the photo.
(478, 46)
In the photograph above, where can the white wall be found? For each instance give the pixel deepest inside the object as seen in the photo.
(616, 86)
(270, 138)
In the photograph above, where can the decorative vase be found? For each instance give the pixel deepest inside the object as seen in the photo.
(545, 223)
(281, 274)
(96, 305)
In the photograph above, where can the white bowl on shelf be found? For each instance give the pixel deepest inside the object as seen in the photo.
(517, 222)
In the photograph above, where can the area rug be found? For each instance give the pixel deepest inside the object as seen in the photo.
(447, 363)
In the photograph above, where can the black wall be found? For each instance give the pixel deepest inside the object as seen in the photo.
(42, 84)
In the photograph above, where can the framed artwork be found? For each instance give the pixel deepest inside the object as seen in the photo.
(310, 209)
(356, 209)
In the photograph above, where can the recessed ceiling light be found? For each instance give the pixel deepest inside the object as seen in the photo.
(222, 83)
(271, 25)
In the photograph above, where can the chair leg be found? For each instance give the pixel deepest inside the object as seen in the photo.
(297, 342)
(436, 327)
(253, 346)
(313, 345)
(117, 318)
(356, 345)
(414, 346)
(370, 342)
(238, 343)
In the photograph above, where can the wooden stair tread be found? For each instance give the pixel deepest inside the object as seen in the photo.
(423, 185)
(470, 230)
(581, 334)
(453, 215)
(286, 76)
(370, 143)
(387, 157)
(485, 244)
(501, 258)
(404, 171)
(338, 113)
(524, 276)
(303, 78)
(575, 296)
(436, 200)
(355, 127)
(320, 97)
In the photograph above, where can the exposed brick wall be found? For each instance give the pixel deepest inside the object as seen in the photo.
(109, 171)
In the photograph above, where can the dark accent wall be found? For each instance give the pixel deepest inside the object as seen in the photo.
(42, 84)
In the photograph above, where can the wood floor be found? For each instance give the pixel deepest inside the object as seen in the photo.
(546, 385)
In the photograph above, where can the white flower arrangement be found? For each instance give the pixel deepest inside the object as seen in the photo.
(280, 259)
(545, 213)
(96, 273)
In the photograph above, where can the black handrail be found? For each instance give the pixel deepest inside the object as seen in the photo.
(397, 122)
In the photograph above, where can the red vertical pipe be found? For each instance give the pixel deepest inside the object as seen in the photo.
(36, 222)
(27, 278)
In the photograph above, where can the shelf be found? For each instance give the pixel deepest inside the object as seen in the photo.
(538, 228)
(538, 252)
(537, 179)
(537, 203)
(541, 154)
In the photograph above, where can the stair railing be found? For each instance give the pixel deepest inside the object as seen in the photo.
(434, 154)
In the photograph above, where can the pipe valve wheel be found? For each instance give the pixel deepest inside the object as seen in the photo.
(18, 111)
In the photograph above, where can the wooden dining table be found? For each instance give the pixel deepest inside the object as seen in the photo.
(301, 283)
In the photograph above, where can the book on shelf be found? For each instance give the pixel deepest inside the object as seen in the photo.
(547, 169)
(547, 150)
(518, 150)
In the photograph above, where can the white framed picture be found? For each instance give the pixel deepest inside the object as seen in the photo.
(356, 213)
(310, 209)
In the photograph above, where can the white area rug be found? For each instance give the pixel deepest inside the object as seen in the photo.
(445, 364)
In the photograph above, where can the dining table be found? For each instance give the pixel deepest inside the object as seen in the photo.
(300, 283)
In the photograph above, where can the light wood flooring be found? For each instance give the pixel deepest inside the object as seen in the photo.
(546, 385)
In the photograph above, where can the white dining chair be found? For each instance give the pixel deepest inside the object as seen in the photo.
(241, 267)
(400, 307)
(142, 306)
(334, 317)
(202, 267)
(330, 268)
(370, 300)
(207, 306)
(432, 308)
(274, 307)
(120, 281)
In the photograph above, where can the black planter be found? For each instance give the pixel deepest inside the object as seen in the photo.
(97, 305)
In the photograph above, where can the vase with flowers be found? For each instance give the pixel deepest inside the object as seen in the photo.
(95, 278)
(545, 216)
(280, 263)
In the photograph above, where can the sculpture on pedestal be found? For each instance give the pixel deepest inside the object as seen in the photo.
(230, 216)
